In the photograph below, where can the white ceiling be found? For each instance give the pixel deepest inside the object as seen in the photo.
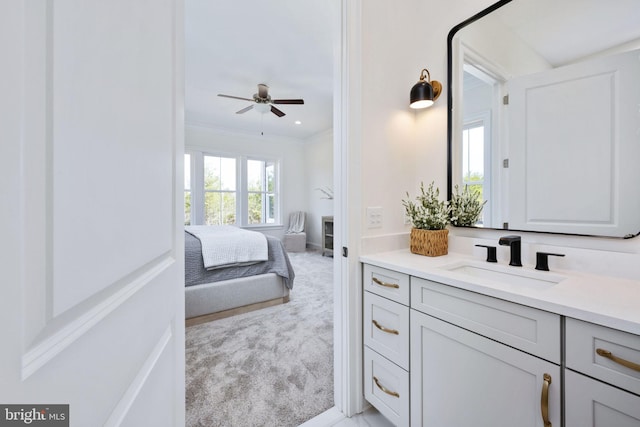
(231, 46)
(563, 31)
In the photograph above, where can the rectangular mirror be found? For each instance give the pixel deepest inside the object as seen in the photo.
(544, 115)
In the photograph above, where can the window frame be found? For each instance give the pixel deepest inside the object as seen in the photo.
(221, 192)
(188, 188)
(482, 119)
(241, 192)
(264, 192)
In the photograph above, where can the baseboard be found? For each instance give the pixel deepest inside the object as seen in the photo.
(314, 246)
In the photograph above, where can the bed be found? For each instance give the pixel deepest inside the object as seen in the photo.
(228, 289)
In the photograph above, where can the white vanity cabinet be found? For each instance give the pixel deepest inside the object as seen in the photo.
(467, 364)
(446, 352)
(602, 379)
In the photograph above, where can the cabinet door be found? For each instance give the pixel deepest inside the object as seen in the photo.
(459, 378)
(591, 403)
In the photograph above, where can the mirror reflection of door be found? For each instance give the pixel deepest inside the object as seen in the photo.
(479, 166)
(571, 169)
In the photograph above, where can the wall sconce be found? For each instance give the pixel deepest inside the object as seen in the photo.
(425, 91)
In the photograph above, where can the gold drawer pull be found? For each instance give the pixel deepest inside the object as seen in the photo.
(385, 284)
(544, 400)
(389, 392)
(619, 361)
(383, 329)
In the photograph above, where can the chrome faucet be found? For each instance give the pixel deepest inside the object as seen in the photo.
(514, 243)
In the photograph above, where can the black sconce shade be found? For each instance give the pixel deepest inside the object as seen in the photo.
(425, 91)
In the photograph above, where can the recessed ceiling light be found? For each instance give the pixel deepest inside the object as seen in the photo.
(298, 122)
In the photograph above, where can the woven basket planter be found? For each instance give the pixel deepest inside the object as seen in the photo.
(429, 242)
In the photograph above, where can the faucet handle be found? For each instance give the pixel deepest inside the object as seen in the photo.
(508, 240)
(542, 260)
(491, 253)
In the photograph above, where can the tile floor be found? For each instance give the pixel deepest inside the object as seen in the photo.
(334, 418)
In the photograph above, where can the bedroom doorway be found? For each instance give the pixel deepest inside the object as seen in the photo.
(304, 261)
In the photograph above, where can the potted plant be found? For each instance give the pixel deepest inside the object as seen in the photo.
(466, 207)
(429, 216)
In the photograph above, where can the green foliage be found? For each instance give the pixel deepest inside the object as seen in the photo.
(466, 207)
(474, 181)
(427, 213)
(255, 208)
(219, 208)
(187, 208)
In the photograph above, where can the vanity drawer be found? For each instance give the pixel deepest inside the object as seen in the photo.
(387, 283)
(621, 368)
(386, 328)
(386, 387)
(531, 330)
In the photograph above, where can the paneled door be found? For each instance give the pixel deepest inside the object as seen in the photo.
(553, 155)
(91, 258)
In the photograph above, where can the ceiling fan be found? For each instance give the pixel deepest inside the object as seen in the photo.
(263, 102)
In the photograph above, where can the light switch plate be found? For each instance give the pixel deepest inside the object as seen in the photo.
(374, 217)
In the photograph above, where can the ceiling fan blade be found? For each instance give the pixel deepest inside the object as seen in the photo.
(244, 110)
(263, 90)
(235, 97)
(277, 112)
(288, 101)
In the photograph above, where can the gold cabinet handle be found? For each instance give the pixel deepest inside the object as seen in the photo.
(389, 392)
(385, 284)
(544, 400)
(383, 329)
(618, 360)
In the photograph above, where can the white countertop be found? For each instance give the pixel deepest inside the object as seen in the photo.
(606, 301)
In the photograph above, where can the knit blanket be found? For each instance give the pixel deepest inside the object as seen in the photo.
(226, 245)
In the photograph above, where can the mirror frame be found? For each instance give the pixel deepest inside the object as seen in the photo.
(452, 33)
(450, 129)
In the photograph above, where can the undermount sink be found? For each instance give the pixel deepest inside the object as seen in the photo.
(505, 274)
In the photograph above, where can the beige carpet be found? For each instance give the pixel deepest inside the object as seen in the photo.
(271, 367)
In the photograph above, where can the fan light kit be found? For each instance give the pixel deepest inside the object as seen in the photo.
(262, 108)
(262, 101)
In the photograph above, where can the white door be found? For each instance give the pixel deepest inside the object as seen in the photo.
(91, 277)
(568, 172)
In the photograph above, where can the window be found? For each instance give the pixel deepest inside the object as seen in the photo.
(476, 160)
(219, 190)
(230, 190)
(473, 156)
(261, 195)
(187, 189)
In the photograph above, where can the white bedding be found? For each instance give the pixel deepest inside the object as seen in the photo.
(226, 245)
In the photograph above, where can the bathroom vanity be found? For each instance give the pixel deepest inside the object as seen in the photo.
(455, 341)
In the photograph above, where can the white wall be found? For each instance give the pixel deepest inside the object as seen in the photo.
(290, 151)
(318, 152)
(400, 148)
